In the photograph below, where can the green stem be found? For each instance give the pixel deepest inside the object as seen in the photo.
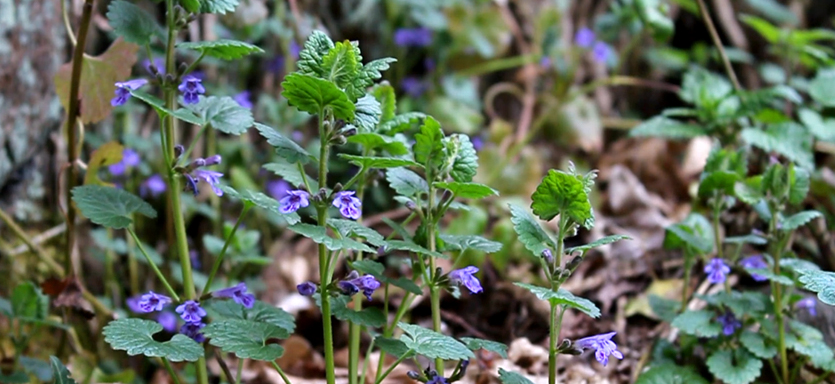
(389, 330)
(718, 43)
(552, 345)
(499, 65)
(391, 368)
(324, 262)
(280, 372)
(154, 267)
(685, 289)
(355, 330)
(304, 178)
(434, 292)
(133, 267)
(190, 148)
(239, 371)
(777, 292)
(219, 260)
(195, 63)
(171, 371)
(821, 378)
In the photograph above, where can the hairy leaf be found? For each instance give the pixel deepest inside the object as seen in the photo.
(350, 228)
(734, 366)
(433, 345)
(467, 190)
(320, 236)
(465, 164)
(284, 146)
(597, 243)
(218, 6)
(367, 114)
(313, 95)
(371, 141)
(60, 373)
(429, 146)
(563, 297)
(110, 207)
(787, 139)
(821, 282)
(222, 49)
(508, 377)
(562, 193)
(223, 113)
(669, 373)
(402, 122)
(698, 323)
(136, 336)
(318, 45)
(799, 219)
(368, 162)
(406, 182)
(132, 23)
(491, 346)
(246, 339)
(464, 242)
(530, 233)
(291, 174)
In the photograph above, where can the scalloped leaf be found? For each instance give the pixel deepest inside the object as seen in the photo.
(369, 162)
(798, 220)
(665, 127)
(350, 228)
(260, 312)
(563, 297)
(60, 373)
(393, 347)
(464, 242)
(669, 373)
(508, 377)
(562, 193)
(284, 146)
(597, 243)
(218, 6)
(246, 339)
(222, 49)
(402, 122)
(411, 246)
(467, 190)
(320, 236)
(475, 344)
(110, 207)
(223, 113)
(406, 182)
(433, 345)
(262, 201)
(530, 233)
(291, 174)
(312, 95)
(465, 164)
(820, 282)
(371, 141)
(132, 23)
(136, 337)
(698, 323)
(757, 345)
(734, 367)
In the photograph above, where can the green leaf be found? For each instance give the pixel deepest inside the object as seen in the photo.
(312, 95)
(820, 282)
(563, 297)
(376, 269)
(747, 239)
(341, 65)
(372, 71)
(136, 336)
(698, 323)
(750, 190)
(487, 345)
(530, 233)
(465, 165)
(433, 345)
(757, 344)
(18, 377)
(223, 113)
(318, 45)
(260, 312)
(368, 162)
(406, 182)
(822, 88)
(722, 181)
(464, 242)
(680, 235)
(371, 141)
(261, 200)
(799, 219)
(669, 373)
(110, 207)
(410, 246)
(350, 228)
(822, 129)
(597, 243)
(367, 317)
(808, 341)
(27, 301)
(734, 367)
(393, 347)
(132, 23)
(291, 174)
(651, 14)
(320, 236)
(218, 6)
(402, 122)
(787, 139)
(703, 88)
(562, 193)
(60, 373)
(800, 183)
(192, 6)
(741, 303)
(284, 146)
(367, 114)
(667, 128)
(508, 377)
(246, 339)
(384, 93)
(429, 146)
(467, 190)
(222, 49)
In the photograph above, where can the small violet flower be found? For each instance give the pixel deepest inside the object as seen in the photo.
(548, 256)
(413, 37)
(754, 262)
(130, 159)
(168, 321)
(466, 277)
(809, 304)
(601, 51)
(197, 174)
(348, 204)
(191, 312)
(194, 256)
(192, 330)
(133, 304)
(307, 288)
(603, 347)
(243, 99)
(294, 200)
(717, 270)
(729, 323)
(353, 283)
(152, 302)
(212, 178)
(413, 86)
(238, 294)
(584, 38)
(278, 188)
(437, 379)
(123, 91)
(191, 87)
(158, 64)
(153, 185)
(295, 49)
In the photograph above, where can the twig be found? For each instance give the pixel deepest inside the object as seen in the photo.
(41, 238)
(32, 246)
(718, 42)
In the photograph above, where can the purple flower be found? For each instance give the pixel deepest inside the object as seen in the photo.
(243, 99)
(293, 200)
(603, 347)
(348, 204)
(808, 304)
(123, 91)
(601, 51)
(212, 178)
(153, 185)
(754, 262)
(158, 63)
(238, 294)
(295, 49)
(133, 304)
(353, 283)
(437, 379)
(191, 87)
(191, 184)
(130, 159)
(413, 86)
(729, 323)
(152, 302)
(413, 37)
(307, 288)
(213, 160)
(191, 311)
(275, 64)
(478, 143)
(195, 259)
(298, 136)
(278, 188)
(465, 276)
(192, 330)
(717, 270)
(584, 38)
(547, 255)
(168, 321)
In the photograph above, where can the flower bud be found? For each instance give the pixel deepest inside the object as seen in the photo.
(213, 160)
(197, 163)
(381, 250)
(411, 205)
(169, 78)
(414, 375)
(549, 257)
(178, 151)
(339, 140)
(349, 132)
(574, 263)
(182, 68)
(337, 187)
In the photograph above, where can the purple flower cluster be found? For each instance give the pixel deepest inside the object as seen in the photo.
(585, 38)
(754, 262)
(191, 85)
(210, 177)
(307, 288)
(348, 204)
(603, 347)
(192, 88)
(413, 37)
(237, 293)
(717, 271)
(153, 186)
(278, 188)
(809, 304)
(353, 283)
(129, 160)
(190, 311)
(293, 201)
(465, 276)
(123, 91)
(729, 323)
